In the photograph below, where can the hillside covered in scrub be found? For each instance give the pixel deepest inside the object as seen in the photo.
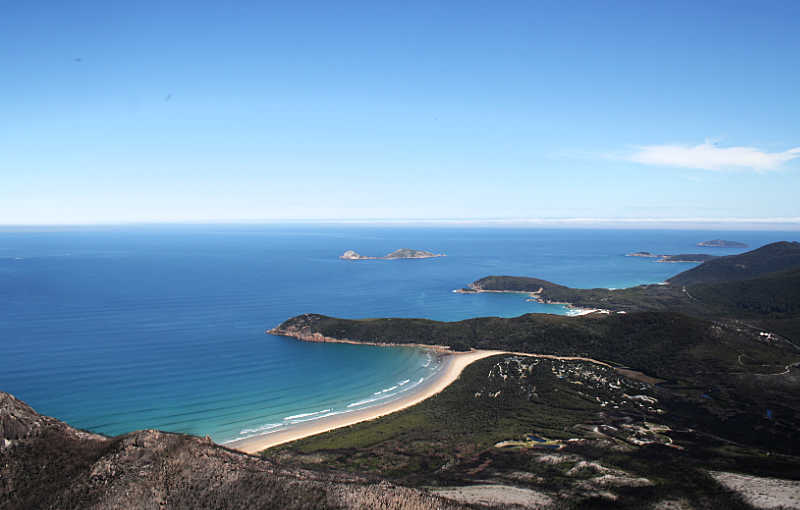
(529, 432)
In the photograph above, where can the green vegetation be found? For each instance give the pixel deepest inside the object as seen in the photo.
(725, 362)
(633, 299)
(774, 295)
(662, 344)
(605, 431)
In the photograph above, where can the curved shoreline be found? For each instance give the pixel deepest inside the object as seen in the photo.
(452, 366)
(535, 297)
(453, 363)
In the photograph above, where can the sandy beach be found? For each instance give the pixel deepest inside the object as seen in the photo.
(452, 366)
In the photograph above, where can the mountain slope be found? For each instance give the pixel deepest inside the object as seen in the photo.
(767, 259)
(773, 294)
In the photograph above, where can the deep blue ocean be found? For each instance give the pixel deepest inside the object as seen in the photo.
(115, 329)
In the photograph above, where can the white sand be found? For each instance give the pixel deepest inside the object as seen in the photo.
(453, 365)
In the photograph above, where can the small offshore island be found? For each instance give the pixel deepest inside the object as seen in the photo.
(402, 253)
(721, 243)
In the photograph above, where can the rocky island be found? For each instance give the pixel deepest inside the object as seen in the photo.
(402, 253)
(721, 243)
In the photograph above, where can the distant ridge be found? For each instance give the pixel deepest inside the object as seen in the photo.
(767, 259)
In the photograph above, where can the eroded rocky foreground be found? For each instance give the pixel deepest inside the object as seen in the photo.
(48, 464)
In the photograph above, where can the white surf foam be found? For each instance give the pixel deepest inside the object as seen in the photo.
(306, 414)
(368, 401)
(334, 413)
(262, 428)
(384, 396)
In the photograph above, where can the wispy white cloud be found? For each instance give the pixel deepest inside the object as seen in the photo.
(709, 156)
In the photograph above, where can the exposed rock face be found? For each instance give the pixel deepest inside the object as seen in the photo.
(20, 423)
(301, 327)
(351, 255)
(47, 464)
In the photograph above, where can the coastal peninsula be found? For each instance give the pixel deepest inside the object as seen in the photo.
(686, 257)
(682, 257)
(402, 253)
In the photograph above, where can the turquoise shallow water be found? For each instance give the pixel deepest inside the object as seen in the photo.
(117, 329)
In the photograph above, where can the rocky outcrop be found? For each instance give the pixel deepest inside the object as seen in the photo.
(302, 327)
(19, 423)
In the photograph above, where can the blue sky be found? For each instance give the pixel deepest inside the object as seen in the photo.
(193, 111)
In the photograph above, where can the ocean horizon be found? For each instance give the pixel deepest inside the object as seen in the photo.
(125, 328)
